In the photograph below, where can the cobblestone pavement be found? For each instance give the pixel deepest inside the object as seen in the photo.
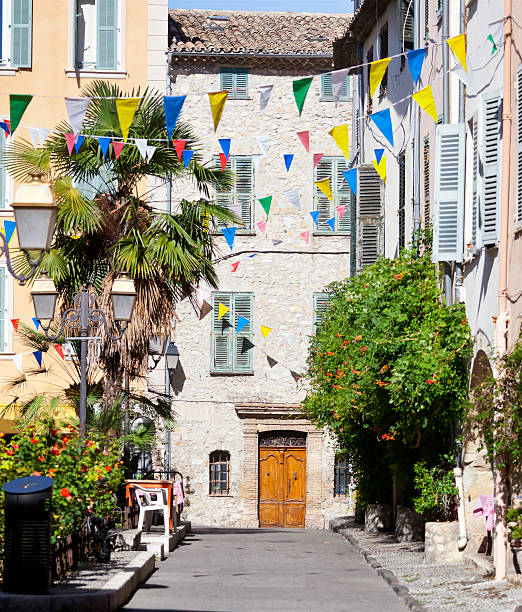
(441, 588)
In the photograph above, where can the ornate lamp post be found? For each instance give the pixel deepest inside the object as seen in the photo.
(82, 315)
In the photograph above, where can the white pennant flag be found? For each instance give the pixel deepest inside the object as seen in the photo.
(338, 80)
(257, 160)
(17, 360)
(496, 30)
(236, 209)
(34, 136)
(42, 135)
(141, 143)
(264, 142)
(76, 109)
(292, 195)
(288, 221)
(289, 337)
(150, 152)
(266, 92)
(465, 77)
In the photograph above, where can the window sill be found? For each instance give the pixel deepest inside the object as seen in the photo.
(73, 73)
(338, 234)
(219, 496)
(231, 373)
(8, 71)
(332, 100)
(6, 212)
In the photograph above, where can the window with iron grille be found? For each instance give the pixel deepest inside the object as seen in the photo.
(342, 476)
(369, 60)
(332, 167)
(383, 53)
(235, 81)
(426, 156)
(326, 88)
(232, 351)
(219, 472)
(402, 200)
(240, 197)
(426, 19)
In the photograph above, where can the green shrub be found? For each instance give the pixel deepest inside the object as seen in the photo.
(437, 499)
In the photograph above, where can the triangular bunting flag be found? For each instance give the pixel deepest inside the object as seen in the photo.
(496, 34)
(242, 322)
(235, 264)
(271, 362)
(265, 330)
(78, 143)
(42, 135)
(6, 126)
(458, 45)
(288, 221)
(36, 323)
(331, 223)
(223, 161)
(340, 134)
(17, 360)
(253, 255)
(340, 211)
(179, 145)
(292, 195)
(247, 345)
(315, 216)
(117, 147)
(187, 156)
(17, 105)
(305, 236)
(466, 77)
(276, 242)
(230, 234)
(324, 186)
(301, 87)
(150, 152)
(415, 61)
(172, 106)
(222, 310)
(38, 357)
(217, 101)
(338, 80)
(297, 377)
(126, 109)
(288, 160)
(104, 143)
(377, 71)
(263, 140)
(350, 176)
(33, 132)
(224, 143)
(382, 120)
(304, 137)
(317, 158)
(266, 203)
(9, 228)
(58, 348)
(204, 310)
(225, 324)
(257, 160)
(425, 100)
(76, 109)
(262, 226)
(15, 323)
(380, 167)
(69, 139)
(141, 143)
(266, 92)
(378, 155)
(289, 338)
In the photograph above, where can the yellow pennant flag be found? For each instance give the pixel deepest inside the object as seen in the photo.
(380, 167)
(324, 186)
(126, 109)
(222, 310)
(377, 71)
(458, 45)
(340, 134)
(265, 330)
(217, 104)
(424, 99)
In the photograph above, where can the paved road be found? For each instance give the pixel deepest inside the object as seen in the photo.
(255, 570)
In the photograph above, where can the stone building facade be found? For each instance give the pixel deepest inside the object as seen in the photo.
(227, 408)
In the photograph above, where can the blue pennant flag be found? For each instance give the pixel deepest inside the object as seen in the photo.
(36, 323)
(5, 126)
(415, 61)
(225, 146)
(331, 223)
(172, 106)
(350, 176)
(241, 322)
(104, 144)
(78, 143)
(378, 155)
(315, 216)
(382, 120)
(253, 255)
(288, 160)
(9, 228)
(230, 234)
(187, 156)
(38, 357)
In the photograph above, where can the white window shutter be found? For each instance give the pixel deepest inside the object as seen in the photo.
(475, 200)
(491, 167)
(21, 33)
(3, 313)
(370, 231)
(519, 146)
(448, 216)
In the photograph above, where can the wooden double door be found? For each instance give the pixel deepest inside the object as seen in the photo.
(282, 487)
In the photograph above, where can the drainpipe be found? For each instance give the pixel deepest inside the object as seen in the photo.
(416, 131)
(448, 284)
(501, 486)
(459, 274)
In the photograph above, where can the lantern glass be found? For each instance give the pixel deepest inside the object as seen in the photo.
(157, 345)
(172, 357)
(35, 215)
(123, 297)
(44, 298)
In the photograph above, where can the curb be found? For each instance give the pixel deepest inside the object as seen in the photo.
(400, 589)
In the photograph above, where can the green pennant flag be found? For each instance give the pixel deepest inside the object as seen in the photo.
(265, 203)
(301, 88)
(17, 105)
(492, 41)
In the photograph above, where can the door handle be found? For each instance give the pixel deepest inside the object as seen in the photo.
(295, 475)
(289, 486)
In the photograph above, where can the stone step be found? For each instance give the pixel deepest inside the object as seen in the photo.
(127, 539)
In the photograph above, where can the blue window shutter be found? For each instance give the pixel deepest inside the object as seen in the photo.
(21, 33)
(107, 34)
(221, 340)
(321, 305)
(326, 88)
(243, 306)
(448, 216)
(491, 167)
(3, 306)
(235, 81)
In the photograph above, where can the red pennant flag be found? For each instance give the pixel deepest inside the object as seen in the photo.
(340, 210)
(117, 146)
(58, 348)
(223, 159)
(69, 138)
(179, 145)
(6, 126)
(305, 236)
(235, 265)
(262, 226)
(317, 158)
(304, 137)
(15, 323)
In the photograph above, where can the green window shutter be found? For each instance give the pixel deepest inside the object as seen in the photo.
(21, 33)
(222, 340)
(241, 84)
(324, 169)
(244, 188)
(519, 146)
(228, 80)
(370, 232)
(107, 34)
(3, 174)
(475, 194)
(235, 81)
(448, 214)
(243, 306)
(3, 312)
(321, 305)
(326, 88)
(491, 179)
(342, 197)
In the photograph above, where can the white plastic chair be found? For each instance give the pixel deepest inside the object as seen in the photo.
(152, 500)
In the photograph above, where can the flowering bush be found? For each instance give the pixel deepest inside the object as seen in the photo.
(75, 464)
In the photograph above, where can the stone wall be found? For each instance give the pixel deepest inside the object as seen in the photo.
(440, 544)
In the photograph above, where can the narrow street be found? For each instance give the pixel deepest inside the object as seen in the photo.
(228, 570)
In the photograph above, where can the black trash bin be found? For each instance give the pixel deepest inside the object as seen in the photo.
(27, 549)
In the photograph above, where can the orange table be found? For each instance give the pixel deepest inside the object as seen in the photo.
(151, 484)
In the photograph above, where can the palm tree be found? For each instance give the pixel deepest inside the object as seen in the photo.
(117, 228)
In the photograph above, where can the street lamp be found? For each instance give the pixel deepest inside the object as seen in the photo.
(157, 349)
(81, 316)
(172, 357)
(35, 215)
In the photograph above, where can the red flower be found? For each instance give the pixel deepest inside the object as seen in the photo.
(429, 381)
(41, 458)
(35, 473)
(65, 492)
(108, 468)
(84, 469)
(55, 450)
(2, 434)
(9, 452)
(34, 440)
(65, 439)
(15, 446)
(89, 443)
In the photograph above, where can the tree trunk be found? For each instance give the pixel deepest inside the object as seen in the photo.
(113, 386)
(500, 547)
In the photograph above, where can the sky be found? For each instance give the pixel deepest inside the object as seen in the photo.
(295, 6)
